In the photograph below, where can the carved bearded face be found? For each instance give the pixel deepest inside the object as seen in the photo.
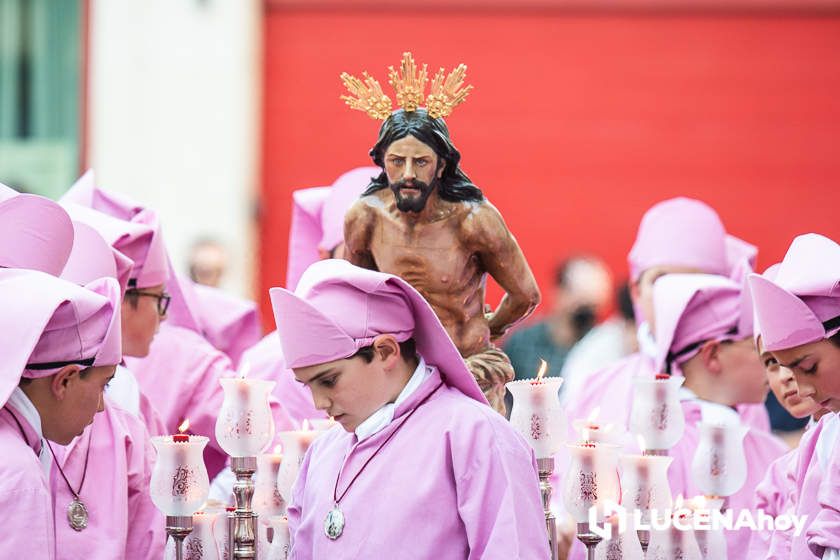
(413, 170)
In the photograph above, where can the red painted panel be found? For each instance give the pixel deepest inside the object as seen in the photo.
(578, 123)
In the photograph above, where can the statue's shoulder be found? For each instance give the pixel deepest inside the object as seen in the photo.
(365, 208)
(481, 215)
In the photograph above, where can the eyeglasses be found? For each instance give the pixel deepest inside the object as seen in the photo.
(163, 299)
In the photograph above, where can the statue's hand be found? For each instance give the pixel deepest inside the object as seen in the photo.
(488, 316)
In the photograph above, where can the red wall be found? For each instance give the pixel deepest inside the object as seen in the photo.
(578, 121)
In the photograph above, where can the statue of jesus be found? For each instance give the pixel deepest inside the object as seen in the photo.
(424, 220)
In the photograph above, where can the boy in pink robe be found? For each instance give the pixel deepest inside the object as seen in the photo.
(115, 450)
(317, 232)
(798, 309)
(678, 235)
(419, 466)
(704, 327)
(60, 345)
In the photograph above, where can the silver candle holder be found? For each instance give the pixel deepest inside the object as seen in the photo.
(545, 468)
(589, 539)
(178, 527)
(242, 522)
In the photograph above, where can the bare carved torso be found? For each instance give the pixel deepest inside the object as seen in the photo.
(444, 254)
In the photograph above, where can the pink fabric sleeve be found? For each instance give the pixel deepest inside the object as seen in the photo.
(498, 493)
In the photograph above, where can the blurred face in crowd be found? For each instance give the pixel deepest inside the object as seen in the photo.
(583, 294)
(816, 369)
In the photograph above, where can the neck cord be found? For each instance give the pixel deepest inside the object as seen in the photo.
(337, 499)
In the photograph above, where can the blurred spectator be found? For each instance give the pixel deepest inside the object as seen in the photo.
(604, 344)
(582, 290)
(207, 262)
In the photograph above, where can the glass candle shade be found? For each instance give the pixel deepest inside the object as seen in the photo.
(644, 483)
(537, 414)
(179, 484)
(245, 425)
(280, 541)
(719, 467)
(267, 499)
(589, 430)
(591, 480)
(671, 542)
(657, 415)
(711, 542)
(295, 443)
(621, 545)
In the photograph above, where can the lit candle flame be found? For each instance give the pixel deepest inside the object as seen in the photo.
(678, 503)
(699, 502)
(641, 441)
(541, 371)
(278, 449)
(185, 425)
(305, 426)
(584, 433)
(244, 369)
(593, 416)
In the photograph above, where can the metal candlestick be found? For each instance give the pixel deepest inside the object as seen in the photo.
(655, 452)
(178, 527)
(589, 539)
(546, 468)
(242, 522)
(644, 539)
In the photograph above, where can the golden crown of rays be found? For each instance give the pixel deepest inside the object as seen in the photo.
(447, 92)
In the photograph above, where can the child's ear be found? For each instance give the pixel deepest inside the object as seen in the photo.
(387, 349)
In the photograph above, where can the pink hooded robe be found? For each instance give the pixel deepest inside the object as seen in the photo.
(799, 305)
(453, 481)
(230, 323)
(41, 315)
(676, 232)
(317, 228)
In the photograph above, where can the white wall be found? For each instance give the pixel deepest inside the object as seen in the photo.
(174, 101)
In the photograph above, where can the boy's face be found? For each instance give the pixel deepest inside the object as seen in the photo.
(742, 371)
(351, 389)
(82, 399)
(816, 368)
(140, 322)
(783, 385)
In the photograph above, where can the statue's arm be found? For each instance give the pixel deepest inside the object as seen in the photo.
(504, 261)
(358, 229)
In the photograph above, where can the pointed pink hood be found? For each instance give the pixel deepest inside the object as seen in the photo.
(92, 257)
(151, 265)
(35, 232)
(339, 308)
(801, 304)
(318, 219)
(693, 308)
(49, 322)
(679, 232)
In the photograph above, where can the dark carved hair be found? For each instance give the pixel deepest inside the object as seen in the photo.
(454, 185)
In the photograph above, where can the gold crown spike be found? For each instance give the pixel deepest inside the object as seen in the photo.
(408, 84)
(447, 94)
(368, 96)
